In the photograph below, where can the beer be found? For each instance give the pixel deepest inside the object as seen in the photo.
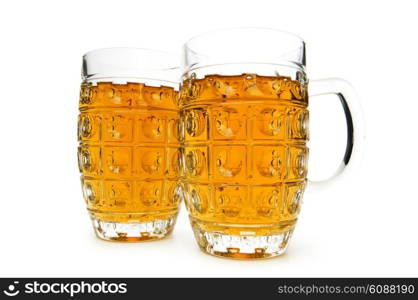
(129, 159)
(245, 161)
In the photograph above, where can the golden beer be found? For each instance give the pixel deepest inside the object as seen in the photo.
(129, 159)
(245, 161)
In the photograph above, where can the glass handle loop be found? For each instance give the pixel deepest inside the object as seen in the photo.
(354, 118)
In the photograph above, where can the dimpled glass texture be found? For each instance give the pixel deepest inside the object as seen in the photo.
(129, 159)
(245, 161)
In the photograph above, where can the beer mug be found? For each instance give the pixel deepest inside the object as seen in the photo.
(128, 132)
(244, 110)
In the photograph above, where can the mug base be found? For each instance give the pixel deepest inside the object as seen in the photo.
(241, 246)
(133, 231)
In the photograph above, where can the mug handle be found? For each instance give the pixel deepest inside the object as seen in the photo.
(354, 118)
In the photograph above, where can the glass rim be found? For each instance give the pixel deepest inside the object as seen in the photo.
(283, 32)
(175, 65)
(246, 45)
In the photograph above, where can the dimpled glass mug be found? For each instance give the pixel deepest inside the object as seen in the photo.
(128, 132)
(244, 113)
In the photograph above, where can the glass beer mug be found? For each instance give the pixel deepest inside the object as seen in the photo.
(128, 132)
(244, 110)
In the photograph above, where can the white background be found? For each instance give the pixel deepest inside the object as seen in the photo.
(365, 225)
